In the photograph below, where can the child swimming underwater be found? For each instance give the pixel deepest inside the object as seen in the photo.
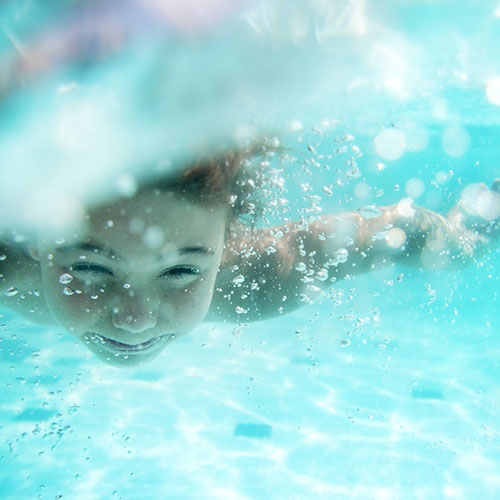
(138, 272)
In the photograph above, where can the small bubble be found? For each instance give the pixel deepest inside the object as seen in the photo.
(10, 292)
(126, 185)
(65, 279)
(126, 286)
(68, 291)
(237, 280)
(240, 310)
(3, 257)
(390, 144)
(153, 237)
(395, 237)
(322, 275)
(369, 212)
(301, 267)
(345, 343)
(110, 223)
(73, 409)
(94, 297)
(328, 189)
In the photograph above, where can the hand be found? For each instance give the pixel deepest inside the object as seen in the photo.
(478, 210)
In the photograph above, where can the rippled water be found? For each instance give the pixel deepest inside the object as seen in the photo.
(408, 408)
(387, 389)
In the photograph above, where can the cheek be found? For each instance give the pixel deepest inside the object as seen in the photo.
(75, 305)
(191, 303)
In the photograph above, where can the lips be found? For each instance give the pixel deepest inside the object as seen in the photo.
(122, 348)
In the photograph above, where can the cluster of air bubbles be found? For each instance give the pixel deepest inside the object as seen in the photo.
(477, 200)
(339, 257)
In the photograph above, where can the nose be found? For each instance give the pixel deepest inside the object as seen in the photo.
(134, 314)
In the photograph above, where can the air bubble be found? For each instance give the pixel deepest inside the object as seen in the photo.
(237, 280)
(65, 279)
(455, 141)
(10, 292)
(153, 237)
(369, 212)
(395, 237)
(493, 90)
(73, 409)
(414, 187)
(390, 144)
(322, 275)
(240, 310)
(301, 267)
(126, 185)
(68, 291)
(3, 257)
(339, 257)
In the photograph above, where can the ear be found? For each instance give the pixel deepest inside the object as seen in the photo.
(33, 251)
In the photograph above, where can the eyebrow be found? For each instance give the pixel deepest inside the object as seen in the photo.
(89, 247)
(196, 250)
(111, 254)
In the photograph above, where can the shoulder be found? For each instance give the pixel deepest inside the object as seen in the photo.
(21, 287)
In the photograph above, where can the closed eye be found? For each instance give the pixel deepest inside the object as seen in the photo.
(89, 268)
(179, 273)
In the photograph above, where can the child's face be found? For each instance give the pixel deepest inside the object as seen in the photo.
(140, 273)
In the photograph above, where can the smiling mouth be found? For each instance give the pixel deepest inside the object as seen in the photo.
(121, 348)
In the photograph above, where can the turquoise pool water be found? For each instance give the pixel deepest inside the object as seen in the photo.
(282, 409)
(386, 389)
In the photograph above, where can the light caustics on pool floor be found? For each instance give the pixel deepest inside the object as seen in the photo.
(408, 408)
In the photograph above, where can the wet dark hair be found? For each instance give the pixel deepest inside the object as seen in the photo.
(231, 178)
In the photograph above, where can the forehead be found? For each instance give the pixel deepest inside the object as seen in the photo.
(165, 208)
(152, 220)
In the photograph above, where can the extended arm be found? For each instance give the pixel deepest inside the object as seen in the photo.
(273, 271)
